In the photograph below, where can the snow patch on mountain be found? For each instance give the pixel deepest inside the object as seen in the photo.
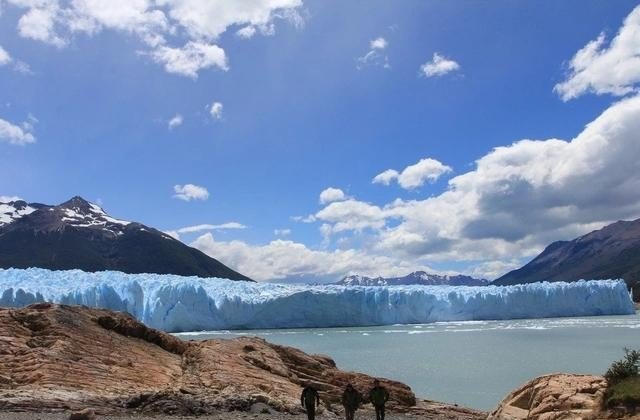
(417, 277)
(13, 210)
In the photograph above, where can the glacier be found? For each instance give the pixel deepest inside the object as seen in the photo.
(178, 304)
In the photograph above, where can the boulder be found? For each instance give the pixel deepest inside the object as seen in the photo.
(554, 397)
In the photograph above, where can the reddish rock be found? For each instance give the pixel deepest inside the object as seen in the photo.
(57, 357)
(551, 397)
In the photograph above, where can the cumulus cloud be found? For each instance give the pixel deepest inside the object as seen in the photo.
(210, 19)
(280, 259)
(414, 176)
(160, 25)
(351, 215)
(516, 200)
(282, 232)
(438, 66)
(5, 58)
(376, 55)
(330, 195)
(188, 192)
(16, 135)
(601, 69)
(216, 110)
(38, 23)
(191, 58)
(176, 121)
(203, 228)
(246, 32)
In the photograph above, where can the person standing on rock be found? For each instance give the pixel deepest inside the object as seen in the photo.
(351, 401)
(378, 397)
(309, 400)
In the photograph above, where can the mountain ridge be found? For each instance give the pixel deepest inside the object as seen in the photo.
(417, 277)
(77, 234)
(610, 252)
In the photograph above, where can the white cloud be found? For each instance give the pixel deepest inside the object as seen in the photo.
(159, 24)
(493, 269)
(191, 58)
(176, 121)
(438, 66)
(17, 65)
(376, 55)
(39, 24)
(518, 198)
(378, 44)
(330, 195)
(209, 19)
(304, 219)
(600, 69)
(16, 135)
(9, 198)
(351, 215)
(414, 176)
(280, 259)
(386, 177)
(5, 58)
(188, 192)
(216, 110)
(282, 232)
(246, 32)
(203, 228)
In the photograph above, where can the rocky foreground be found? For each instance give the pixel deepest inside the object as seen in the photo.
(561, 396)
(57, 358)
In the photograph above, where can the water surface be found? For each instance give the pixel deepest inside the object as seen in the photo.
(472, 363)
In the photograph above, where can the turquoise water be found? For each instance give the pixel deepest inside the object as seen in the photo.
(473, 363)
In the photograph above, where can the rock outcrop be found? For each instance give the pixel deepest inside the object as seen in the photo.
(57, 357)
(554, 397)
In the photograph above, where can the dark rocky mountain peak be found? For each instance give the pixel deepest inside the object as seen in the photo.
(612, 252)
(80, 234)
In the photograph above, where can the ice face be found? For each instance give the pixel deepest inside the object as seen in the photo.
(175, 303)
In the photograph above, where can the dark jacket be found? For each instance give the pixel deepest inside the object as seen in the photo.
(309, 397)
(378, 395)
(351, 398)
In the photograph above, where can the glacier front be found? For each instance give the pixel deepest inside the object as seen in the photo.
(175, 303)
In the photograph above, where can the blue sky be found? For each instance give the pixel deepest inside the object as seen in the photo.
(326, 94)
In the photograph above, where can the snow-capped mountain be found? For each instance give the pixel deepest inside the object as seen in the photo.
(80, 234)
(417, 277)
(14, 210)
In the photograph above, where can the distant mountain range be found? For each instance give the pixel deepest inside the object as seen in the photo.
(609, 253)
(78, 234)
(417, 277)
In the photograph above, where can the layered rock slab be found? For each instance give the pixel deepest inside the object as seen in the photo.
(554, 397)
(58, 357)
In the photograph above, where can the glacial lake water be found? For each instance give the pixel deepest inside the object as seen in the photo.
(473, 363)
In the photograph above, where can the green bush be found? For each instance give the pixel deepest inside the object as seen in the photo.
(625, 393)
(628, 367)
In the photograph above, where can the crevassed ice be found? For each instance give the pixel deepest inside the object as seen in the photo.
(175, 303)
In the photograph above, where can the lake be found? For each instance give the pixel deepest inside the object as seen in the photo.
(472, 363)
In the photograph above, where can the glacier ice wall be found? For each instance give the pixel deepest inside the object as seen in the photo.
(174, 303)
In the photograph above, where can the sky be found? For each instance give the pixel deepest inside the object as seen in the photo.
(301, 139)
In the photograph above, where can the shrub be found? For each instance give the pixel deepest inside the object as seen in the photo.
(625, 393)
(628, 367)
